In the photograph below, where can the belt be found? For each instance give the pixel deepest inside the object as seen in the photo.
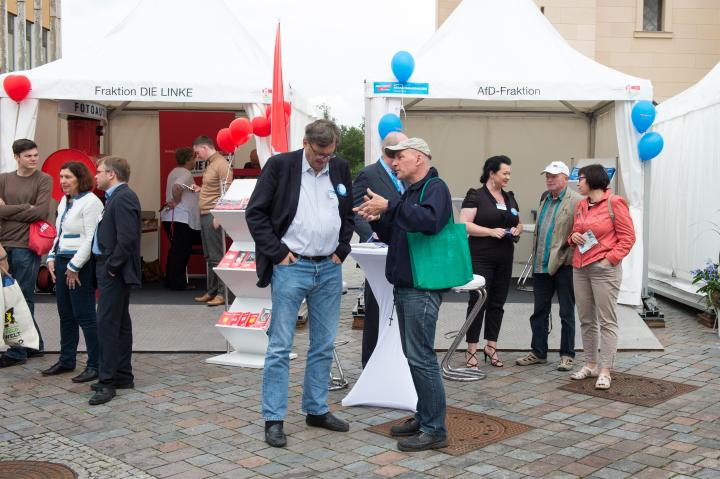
(310, 258)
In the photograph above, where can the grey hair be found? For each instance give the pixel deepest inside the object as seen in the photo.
(322, 133)
(119, 165)
(392, 139)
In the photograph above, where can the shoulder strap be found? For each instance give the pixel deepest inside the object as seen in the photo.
(610, 209)
(422, 193)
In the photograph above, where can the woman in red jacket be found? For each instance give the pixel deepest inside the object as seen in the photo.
(603, 235)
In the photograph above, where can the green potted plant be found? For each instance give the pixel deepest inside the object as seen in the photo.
(709, 279)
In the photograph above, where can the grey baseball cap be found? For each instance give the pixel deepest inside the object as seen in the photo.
(410, 144)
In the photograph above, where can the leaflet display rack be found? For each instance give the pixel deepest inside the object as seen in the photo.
(237, 270)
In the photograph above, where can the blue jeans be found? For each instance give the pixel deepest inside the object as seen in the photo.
(544, 288)
(417, 312)
(320, 283)
(24, 266)
(76, 308)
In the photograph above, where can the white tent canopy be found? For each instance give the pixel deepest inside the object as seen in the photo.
(504, 55)
(684, 197)
(165, 54)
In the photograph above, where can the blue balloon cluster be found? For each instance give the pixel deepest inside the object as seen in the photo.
(388, 123)
(650, 144)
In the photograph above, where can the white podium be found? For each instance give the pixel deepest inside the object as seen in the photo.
(386, 379)
(249, 344)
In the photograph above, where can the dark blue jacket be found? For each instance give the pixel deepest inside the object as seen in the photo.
(407, 214)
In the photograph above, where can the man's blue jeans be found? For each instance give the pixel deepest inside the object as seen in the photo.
(417, 312)
(544, 288)
(320, 283)
(76, 308)
(24, 266)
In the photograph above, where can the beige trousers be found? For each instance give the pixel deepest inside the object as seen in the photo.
(596, 291)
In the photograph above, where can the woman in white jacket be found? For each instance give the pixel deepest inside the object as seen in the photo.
(71, 265)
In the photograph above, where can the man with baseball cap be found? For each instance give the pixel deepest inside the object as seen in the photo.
(552, 268)
(417, 309)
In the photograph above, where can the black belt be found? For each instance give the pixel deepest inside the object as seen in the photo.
(310, 258)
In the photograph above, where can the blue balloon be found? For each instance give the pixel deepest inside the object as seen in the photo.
(650, 145)
(643, 115)
(402, 65)
(388, 123)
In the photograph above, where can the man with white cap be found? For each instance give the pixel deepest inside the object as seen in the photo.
(552, 268)
(425, 207)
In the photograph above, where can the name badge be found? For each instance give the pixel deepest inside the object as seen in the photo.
(501, 206)
(331, 194)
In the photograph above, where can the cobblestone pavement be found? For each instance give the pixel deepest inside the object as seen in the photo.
(189, 419)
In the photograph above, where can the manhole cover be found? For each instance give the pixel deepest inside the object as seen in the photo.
(35, 470)
(467, 430)
(632, 389)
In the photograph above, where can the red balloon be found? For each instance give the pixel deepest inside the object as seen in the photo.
(286, 106)
(240, 128)
(261, 126)
(224, 140)
(17, 87)
(243, 140)
(52, 165)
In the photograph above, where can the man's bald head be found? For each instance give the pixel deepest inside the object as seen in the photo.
(391, 139)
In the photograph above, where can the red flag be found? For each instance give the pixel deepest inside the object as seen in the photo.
(278, 140)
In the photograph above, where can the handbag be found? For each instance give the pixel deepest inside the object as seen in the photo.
(41, 237)
(18, 326)
(442, 260)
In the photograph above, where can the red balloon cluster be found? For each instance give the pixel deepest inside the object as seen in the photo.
(240, 129)
(17, 87)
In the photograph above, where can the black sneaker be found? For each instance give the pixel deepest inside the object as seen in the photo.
(408, 428)
(423, 442)
(7, 361)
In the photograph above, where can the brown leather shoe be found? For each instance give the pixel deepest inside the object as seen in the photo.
(218, 300)
(203, 299)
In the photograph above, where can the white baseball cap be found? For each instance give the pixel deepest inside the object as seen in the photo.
(556, 167)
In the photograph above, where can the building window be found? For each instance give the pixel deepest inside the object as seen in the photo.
(44, 49)
(652, 15)
(28, 44)
(11, 42)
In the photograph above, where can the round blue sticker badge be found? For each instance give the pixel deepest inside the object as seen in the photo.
(341, 190)
(514, 211)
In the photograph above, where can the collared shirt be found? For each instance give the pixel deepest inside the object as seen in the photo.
(108, 194)
(398, 184)
(545, 226)
(315, 229)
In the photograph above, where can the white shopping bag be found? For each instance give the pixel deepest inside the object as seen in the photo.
(18, 329)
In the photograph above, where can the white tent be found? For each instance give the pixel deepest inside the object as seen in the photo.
(165, 54)
(685, 196)
(496, 57)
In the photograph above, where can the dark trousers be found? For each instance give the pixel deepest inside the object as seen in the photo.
(371, 324)
(114, 328)
(76, 308)
(24, 265)
(497, 271)
(182, 238)
(544, 287)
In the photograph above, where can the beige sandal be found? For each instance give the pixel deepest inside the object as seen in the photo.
(603, 382)
(585, 372)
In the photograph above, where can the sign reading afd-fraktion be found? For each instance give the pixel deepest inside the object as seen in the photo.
(401, 88)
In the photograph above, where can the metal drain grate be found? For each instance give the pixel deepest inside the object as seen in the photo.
(639, 390)
(35, 470)
(467, 430)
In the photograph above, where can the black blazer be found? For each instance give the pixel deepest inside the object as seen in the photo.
(274, 202)
(118, 235)
(376, 178)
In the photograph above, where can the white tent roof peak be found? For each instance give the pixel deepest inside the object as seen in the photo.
(507, 50)
(703, 94)
(164, 51)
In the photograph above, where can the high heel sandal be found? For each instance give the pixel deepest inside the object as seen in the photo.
(493, 355)
(471, 361)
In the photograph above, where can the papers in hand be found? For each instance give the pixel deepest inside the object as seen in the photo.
(373, 245)
(590, 241)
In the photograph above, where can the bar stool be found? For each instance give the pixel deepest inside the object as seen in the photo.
(465, 374)
(338, 382)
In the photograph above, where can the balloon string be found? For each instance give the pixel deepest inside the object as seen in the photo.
(402, 101)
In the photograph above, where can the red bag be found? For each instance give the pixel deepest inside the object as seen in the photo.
(41, 237)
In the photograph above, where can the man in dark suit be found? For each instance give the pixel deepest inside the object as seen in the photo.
(380, 178)
(300, 216)
(116, 247)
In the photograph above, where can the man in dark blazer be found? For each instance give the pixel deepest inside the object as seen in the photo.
(300, 216)
(380, 178)
(116, 247)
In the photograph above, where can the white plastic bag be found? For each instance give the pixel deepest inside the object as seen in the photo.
(19, 328)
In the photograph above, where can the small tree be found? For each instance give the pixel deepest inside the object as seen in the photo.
(352, 142)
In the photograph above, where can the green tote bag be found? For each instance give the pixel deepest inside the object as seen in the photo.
(440, 261)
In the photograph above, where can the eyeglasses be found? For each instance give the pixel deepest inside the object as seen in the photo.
(321, 156)
(103, 171)
(581, 178)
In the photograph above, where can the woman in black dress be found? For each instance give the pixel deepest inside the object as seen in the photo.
(492, 218)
